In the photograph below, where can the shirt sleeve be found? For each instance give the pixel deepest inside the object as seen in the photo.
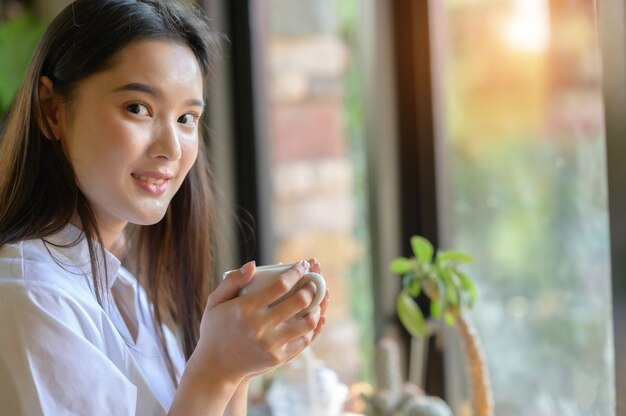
(53, 360)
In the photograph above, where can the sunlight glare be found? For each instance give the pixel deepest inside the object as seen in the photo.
(529, 28)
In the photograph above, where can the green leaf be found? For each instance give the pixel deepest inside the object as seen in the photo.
(413, 287)
(442, 292)
(456, 280)
(400, 265)
(410, 315)
(437, 272)
(422, 248)
(450, 288)
(452, 296)
(435, 309)
(455, 256)
(449, 318)
(468, 286)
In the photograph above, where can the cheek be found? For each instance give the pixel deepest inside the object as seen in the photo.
(105, 139)
(122, 140)
(189, 154)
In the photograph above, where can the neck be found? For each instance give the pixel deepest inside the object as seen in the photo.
(113, 237)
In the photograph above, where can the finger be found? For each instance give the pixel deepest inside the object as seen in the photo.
(296, 346)
(324, 302)
(318, 329)
(280, 286)
(322, 321)
(289, 307)
(316, 266)
(295, 328)
(232, 284)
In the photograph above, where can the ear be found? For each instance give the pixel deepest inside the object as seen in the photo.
(52, 109)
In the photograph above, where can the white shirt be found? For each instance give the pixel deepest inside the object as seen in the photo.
(61, 352)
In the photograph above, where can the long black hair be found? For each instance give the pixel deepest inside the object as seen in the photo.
(38, 190)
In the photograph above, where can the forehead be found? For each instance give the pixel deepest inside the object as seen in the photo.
(167, 65)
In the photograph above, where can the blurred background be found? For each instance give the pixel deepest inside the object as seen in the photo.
(339, 128)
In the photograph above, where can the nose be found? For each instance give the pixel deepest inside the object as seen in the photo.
(165, 143)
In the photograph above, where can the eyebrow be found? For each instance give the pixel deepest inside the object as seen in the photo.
(138, 86)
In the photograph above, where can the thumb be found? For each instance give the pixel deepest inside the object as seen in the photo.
(232, 284)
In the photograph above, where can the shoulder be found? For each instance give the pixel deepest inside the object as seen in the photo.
(37, 288)
(32, 264)
(70, 349)
(40, 307)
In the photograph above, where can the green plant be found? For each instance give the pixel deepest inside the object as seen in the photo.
(18, 38)
(450, 292)
(439, 277)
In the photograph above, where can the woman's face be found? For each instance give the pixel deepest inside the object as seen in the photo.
(133, 134)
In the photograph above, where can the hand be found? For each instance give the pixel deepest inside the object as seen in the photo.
(242, 336)
(317, 268)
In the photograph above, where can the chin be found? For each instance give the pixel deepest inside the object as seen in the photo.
(148, 219)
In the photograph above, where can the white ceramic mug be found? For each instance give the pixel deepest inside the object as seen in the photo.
(264, 275)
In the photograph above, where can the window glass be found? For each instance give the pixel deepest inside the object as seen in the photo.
(312, 114)
(522, 182)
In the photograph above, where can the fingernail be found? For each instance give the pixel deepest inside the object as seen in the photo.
(247, 268)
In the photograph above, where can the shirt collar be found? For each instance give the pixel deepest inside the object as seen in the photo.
(69, 245)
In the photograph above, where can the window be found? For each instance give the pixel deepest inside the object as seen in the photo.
(310, 117)
(522, 183)
(501, 152)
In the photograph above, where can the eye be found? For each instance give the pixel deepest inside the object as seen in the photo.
(138, 109)
(188, 119)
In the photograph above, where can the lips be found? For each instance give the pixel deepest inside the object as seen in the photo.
(149, 179)
(152, 182)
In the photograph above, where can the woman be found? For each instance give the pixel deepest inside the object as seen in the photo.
(104, 136)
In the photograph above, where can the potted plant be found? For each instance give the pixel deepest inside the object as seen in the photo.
(451, 292)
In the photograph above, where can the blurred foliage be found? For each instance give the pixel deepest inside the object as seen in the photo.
(18, 38)
(348, 16)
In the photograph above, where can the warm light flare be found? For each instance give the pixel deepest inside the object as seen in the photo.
(529, 28)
